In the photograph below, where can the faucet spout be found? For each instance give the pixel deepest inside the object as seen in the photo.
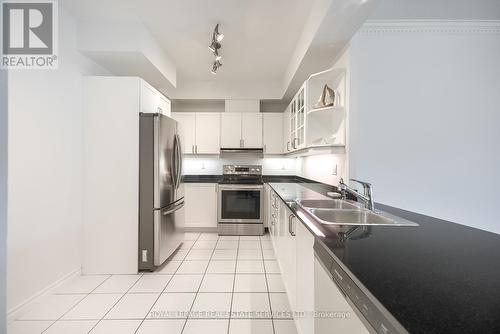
(366, 197)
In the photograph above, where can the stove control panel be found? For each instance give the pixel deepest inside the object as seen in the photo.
(242, 170)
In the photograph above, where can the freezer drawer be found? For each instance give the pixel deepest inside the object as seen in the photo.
(161, 233)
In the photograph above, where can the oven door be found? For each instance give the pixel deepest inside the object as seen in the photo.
(240, 204)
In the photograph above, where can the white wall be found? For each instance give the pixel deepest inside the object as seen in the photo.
(321, 168)
(45, 170)
(3, 197)
(425, 119)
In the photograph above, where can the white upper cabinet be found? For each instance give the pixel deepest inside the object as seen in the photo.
(251, 130)
(273, 133)
(152, 101)
(242, 130)
(207, 133)
(230, 136)
(199, 132)
(287, 130)
(187, 130)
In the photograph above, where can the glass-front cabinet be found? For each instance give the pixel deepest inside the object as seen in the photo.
(297, 119)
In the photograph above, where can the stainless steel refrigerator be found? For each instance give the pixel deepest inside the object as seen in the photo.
(161, 191)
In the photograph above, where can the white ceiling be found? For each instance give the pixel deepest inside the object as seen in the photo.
(260, 35)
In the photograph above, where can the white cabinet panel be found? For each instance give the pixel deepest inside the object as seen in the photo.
(207, 133)
(187, 130)
(230, 136)
(305, 276)
(164, 105)
(251, 129)
(200, 209)
(273, 133)
(287, 118)
(152, 101)
(328, 298)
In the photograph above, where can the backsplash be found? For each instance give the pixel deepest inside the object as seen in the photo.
(212, 165)
(318, 167)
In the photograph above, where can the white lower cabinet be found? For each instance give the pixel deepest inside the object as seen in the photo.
(305, 277)
(200, 209)
(329, 299)
(308, 286)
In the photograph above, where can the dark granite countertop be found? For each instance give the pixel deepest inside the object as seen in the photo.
(265, 178)
(439, 277)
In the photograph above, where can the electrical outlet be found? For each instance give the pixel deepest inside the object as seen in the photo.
(334, 171)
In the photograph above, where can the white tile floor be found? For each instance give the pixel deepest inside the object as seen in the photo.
(212, 285)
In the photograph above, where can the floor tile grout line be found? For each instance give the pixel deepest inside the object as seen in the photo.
(112, 307)
(156, 300)
(234, 283)
(267, 285)
(199, 287)
(72, 307)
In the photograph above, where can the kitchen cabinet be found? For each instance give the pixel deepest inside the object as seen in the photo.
(251, 130)
(287, 130)
(152, 101)
(294, 248)
(200, 210)
(187, 130)
(328, 298)
(230, 136)
(273, 133)
(207, 133)
(305, 276)
(241, 130)
(298, 120)
(199, 132)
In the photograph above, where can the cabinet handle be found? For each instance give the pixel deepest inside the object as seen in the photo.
(192, 149)
(294, 142)
(288, 146)
(290, 221)
(264, 148)
(196, 148)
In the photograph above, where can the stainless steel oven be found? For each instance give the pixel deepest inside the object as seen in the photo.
(241, 201)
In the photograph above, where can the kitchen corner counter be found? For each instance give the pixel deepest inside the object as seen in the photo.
(439, 277)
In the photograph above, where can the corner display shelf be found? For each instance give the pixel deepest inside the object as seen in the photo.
(317, 130)
(325, 127)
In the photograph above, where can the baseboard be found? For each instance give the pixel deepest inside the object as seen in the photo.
(20, 308)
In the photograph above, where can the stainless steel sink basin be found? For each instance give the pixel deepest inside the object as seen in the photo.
(358, 217)
(326, 204)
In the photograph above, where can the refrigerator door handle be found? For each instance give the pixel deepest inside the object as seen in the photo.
(170, 210)
(179, 160)
(175, 162)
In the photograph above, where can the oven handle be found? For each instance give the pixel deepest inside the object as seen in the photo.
(241, 187)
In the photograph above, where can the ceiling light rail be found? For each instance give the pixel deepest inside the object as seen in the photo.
(215, 46)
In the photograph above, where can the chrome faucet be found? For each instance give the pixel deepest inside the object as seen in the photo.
(366, 197)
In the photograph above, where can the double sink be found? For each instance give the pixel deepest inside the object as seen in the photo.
(341, 212)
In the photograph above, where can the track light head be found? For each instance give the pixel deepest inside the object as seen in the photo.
(217, 35)
(214, 46)
(217, 55)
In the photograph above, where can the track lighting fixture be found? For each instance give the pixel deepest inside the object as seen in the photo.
(217, 35)
(215, 46)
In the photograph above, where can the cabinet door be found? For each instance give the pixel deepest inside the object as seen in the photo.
(287, 117)
(149, 98)
(207, 133)
(328, 298)
(305, 276)
(187, 130)
(290, 267)
(251, 129)
(200, 209)
(164, 105)
(230, 134)
(300, 131)
(273, 133)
